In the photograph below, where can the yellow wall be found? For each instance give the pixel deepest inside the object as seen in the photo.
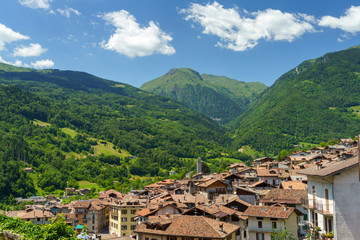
(120, 215)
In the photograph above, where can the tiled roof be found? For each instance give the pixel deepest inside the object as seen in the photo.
(189, 226)
(189, 198)
(294, 185)
(270, 212)
(330, 168)
(285, 196)
(225, 199)
(267, 173)
(30, 214)
(209, 183)
(82, 204)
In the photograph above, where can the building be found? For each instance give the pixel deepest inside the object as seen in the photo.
(262, 220)
(334, 197)
(212, 188)
(34, 215)
(185, 227)
(123, 218)
(90, 213)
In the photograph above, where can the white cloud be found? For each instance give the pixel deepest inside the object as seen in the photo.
(33, 50)
(17, 63)
(44, 4)
(68, 11)
(132, 40)
(43, 64)
(240, 33)
(7, 36)
(350, 22)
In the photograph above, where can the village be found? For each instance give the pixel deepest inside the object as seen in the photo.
(311, 194)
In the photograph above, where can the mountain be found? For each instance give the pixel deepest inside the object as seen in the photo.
(221, 98)
(316, 101)
(71, 126)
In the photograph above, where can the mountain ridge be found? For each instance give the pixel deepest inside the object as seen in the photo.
(219, 98)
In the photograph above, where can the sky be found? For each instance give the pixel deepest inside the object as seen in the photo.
(135, 41)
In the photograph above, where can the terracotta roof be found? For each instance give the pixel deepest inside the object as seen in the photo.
(267, 173)
(285, 196)
(330, 168)
(237, 165)
(209, 183)
(109, 192)
(82, 204)
(143, 212)
(294, 185)
(225, 199)
(189, 198)
(270, 212)
(30, 214)
(188, 226)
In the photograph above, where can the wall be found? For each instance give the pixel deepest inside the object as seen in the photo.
(347, 209)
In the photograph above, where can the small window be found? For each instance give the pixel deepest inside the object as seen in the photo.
(123, 227)
(123, 219)
(274, 225)
(133, 227)
(259, 224)
(133, 211)
(123, 211)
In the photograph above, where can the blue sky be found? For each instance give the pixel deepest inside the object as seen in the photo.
(135, 41)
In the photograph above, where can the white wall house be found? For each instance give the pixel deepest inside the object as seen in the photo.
(334, 198)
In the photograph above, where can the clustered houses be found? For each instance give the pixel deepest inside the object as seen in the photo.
(314, 192)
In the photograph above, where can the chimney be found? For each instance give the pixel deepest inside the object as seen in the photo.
(221, 227)
(285, 208)
(223, 198)
(167, 214)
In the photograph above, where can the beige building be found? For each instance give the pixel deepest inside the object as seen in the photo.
(122, 217)
(262, 220)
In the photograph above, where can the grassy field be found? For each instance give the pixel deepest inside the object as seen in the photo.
(107, 148)
(86, 184)
(356, 110)
(40, 123)
(307, 145)
(70, 132)
(39, 190)
(249, 151)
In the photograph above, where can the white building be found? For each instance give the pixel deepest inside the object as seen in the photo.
(334, 197)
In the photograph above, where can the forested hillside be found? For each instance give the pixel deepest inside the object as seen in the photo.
(72, 126)
(316, 101)
(221, 98)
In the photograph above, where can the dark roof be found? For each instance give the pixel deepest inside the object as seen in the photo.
(330, 168)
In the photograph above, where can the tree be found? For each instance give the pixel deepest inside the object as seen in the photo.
(282, 235)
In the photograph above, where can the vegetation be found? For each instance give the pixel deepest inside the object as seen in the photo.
(70, 127)
(316, 101)
(57, 230)
(221, 98)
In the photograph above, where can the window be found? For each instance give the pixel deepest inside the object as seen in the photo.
(133, 211)
(146, 238)
(123, 211)
(123, 227)
(93, 227)
(260, 236)
(259, 224)
(124, 219)
(133, 227)
(133, 219)
(274, 225)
